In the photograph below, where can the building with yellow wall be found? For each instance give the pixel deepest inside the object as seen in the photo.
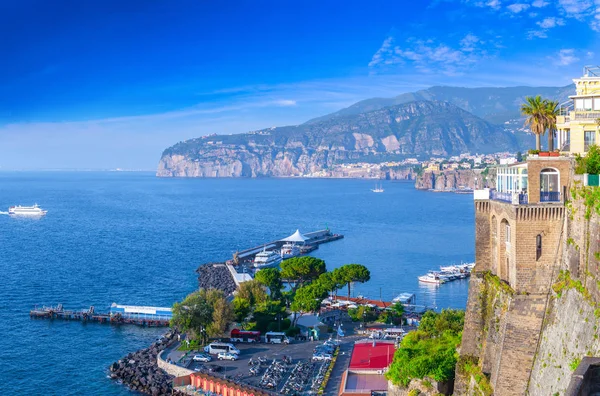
(579, 123)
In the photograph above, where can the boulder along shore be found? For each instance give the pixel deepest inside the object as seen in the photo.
(140, 373)
(216, 276)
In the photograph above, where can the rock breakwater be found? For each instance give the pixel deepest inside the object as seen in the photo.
(216, 276)
(139, 370)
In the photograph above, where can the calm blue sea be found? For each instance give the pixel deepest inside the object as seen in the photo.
(132, 238)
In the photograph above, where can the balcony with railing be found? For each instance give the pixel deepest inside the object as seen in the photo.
(509, 197)
(549, 196)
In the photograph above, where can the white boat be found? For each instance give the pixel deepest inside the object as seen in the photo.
(30, 211)
(432, 277)
(404, 298)
(289, 250)
(378, 189)
(266, 259)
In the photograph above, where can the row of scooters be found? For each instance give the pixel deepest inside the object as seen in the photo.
(299, 378)
(274, 374)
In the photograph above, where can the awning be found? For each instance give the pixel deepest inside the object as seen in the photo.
(295, 237)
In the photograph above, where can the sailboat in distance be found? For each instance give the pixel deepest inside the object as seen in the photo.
(378, 189)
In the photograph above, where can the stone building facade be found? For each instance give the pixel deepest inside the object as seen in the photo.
(518, 233)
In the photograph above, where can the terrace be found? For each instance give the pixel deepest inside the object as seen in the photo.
(513, 184)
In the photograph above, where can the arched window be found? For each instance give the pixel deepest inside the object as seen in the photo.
(538, 247)
(549, 185)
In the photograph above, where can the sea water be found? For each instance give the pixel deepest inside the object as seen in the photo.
(132, 238)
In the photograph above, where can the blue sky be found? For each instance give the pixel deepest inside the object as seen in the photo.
(106, 84)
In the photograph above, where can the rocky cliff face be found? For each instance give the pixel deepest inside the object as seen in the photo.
(417, 128)
(459, 179)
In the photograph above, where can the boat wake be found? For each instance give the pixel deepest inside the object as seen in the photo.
(5, 213)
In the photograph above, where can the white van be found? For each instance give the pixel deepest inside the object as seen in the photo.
(273, 337)
(218, 347)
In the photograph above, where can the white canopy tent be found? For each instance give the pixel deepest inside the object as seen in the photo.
(295, 237)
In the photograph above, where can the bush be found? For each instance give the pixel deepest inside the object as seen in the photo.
(533, 152)
(429, 351)
(592, 160)
(292, 331)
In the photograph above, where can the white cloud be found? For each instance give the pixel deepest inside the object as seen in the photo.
(566, 57)
(539, 3)
(428, 55)
(550, 22)
(517, 7)
(468, 42)
(531, 34)
(575, 8)
(285, 102)
(589, 54)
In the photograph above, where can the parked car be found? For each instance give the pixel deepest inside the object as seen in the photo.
(321, 357)
(227, 356)
(202, 358)
(324, 349)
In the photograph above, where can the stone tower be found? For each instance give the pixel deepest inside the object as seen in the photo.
(518, 229)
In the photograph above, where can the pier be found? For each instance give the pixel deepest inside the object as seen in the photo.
(118, 314)
(312, 242)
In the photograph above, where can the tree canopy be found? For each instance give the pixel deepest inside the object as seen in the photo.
(271, 278)
(308, 299)
(430, 350)
(300, 270)
(203, 313)
(346, 274)
(541, 116)
(253, 291)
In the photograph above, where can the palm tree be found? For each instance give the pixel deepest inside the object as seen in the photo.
(552, 110)
(535, 110)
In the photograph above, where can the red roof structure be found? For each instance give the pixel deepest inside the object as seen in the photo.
(372, 356)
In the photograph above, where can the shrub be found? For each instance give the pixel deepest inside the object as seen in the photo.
(533, 151)
(429, 351)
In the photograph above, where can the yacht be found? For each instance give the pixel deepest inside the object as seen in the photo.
(266, 259)
(432, 277)
(378, 189)
(289, 250)
(26, 210)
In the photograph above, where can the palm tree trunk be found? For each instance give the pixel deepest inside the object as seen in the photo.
(538, 143)
(550, 140)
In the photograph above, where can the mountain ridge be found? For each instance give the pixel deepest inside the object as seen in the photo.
(493, 104)
(411, 129)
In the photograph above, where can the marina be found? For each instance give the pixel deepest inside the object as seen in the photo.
(118, 314)
(447, 274)
(295, 245)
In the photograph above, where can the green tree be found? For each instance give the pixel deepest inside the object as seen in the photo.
(331, 281)
(268, 312)
(519, 156)
(353, 273)
(551, 111)
(241, 308)
(592, 160)
(308, 299)
(534, 109)
(203, 313)
(430, 350)
(301, 270)
(253, 291)
(271, 278)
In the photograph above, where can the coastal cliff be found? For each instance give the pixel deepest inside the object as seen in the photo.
(324, 149)
(456, 179)
(529, 335)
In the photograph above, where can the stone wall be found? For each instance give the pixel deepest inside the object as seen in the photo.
(171, 369)
(571, 326)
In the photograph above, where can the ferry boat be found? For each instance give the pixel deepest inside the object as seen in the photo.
(266, 259)
(432, 277)
(19, 210)
(289, 250)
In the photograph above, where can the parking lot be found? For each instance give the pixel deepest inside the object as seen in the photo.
(239, 370)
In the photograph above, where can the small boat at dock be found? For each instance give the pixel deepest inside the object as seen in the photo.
(266, 259)
(432, 277)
